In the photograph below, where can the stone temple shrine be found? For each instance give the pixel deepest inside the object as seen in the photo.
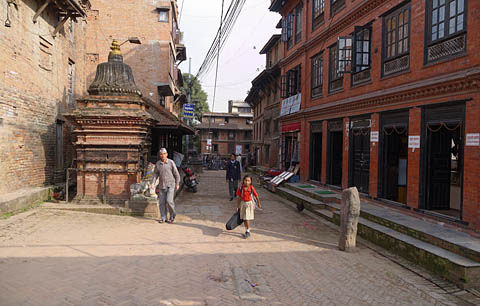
(113, 128)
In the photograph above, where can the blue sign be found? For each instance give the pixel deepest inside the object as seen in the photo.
(187, 114)
(188, 107)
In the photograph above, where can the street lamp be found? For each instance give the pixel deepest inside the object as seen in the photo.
(133, 40)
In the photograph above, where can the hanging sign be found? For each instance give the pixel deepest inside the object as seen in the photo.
(374, 136)
(291, 105)
(414, 142)
(188, 111)
(472, 140)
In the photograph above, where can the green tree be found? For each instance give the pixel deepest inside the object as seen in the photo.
(199, 96)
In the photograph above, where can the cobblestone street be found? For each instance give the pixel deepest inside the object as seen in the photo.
(51, 257)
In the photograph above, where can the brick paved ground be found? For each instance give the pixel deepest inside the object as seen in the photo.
(51, 257)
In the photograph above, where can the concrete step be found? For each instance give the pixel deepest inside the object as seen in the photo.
(447, 238)
(315, 193)
(456, 268)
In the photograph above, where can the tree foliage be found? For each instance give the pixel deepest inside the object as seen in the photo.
(199, 96)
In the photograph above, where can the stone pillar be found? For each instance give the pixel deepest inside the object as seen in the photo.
(349, 213)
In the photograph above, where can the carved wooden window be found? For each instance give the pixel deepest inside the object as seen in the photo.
(336, 6)
(70, 79)
(298, 23)
(335, 79)
(283, 86)
(446, 28)
(396, 41)
(293, 81)
(318, 13)
(287, 30)
(163, 16)
(316, 75)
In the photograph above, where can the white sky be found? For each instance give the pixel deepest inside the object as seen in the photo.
(240, 61)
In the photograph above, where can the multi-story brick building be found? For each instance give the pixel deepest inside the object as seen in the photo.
(390, 99)
(264, 97)
(155, 61)
(229, 133)
(42, 49)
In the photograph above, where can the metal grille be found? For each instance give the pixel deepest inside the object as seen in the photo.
(396, 65)
(446, 48)
(336, 85)
(361, 77)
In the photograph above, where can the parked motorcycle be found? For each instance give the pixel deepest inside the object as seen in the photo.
(189, 180)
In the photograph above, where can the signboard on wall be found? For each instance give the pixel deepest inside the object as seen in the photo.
(374, 136)
(414, 142)
(238, 149)
(472, 139)
(291, 105)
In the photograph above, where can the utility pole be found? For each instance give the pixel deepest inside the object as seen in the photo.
(189, 97)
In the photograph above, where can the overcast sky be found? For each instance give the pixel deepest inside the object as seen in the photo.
(240, 61)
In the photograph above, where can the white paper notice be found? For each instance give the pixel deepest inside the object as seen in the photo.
(374, 136)
(473, 139)
(414, 142)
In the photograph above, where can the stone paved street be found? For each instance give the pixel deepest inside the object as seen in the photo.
(51, 257)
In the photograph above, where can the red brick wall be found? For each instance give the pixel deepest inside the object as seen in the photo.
(33, 94)
(471, 181)
(413, 172)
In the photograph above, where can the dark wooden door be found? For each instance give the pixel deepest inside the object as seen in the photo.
(361, 160)
(335, 158)
(316, 156)
(438, 163)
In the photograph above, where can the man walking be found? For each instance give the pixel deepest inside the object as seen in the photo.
(233, 175)
(168, 182)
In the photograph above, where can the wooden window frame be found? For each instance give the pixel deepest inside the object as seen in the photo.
(448, 36)
(332, 69)
(361, 72)
(318, 13)
(336, 6)
(298, 22)
(316, 75)
(394, 35)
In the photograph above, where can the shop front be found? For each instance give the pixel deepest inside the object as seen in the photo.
(290, 144)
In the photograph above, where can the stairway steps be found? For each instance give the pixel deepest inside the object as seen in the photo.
(457, 268)
(436, 234)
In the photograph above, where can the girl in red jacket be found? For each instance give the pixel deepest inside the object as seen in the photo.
(247, 196)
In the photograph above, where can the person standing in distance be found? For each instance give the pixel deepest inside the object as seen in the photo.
(233, 175)
(168, 182)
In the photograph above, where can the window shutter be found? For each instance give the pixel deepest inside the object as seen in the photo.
(284, 30)
(290, 26)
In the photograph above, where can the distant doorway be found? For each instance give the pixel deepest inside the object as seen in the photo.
(335, 153)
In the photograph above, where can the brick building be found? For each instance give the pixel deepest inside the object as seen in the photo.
(155, 61)
(42, 51)
(389, 99)
(264, 97)
(50, 51)
(229, 133)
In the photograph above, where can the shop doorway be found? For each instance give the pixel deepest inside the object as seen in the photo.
(444, 168)
(334, 153)
(316, 156)
(360, 154)
(395, 154)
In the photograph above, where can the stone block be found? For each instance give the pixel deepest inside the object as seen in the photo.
(349, 213)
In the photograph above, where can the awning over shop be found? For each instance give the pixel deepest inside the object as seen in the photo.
(291, 127)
